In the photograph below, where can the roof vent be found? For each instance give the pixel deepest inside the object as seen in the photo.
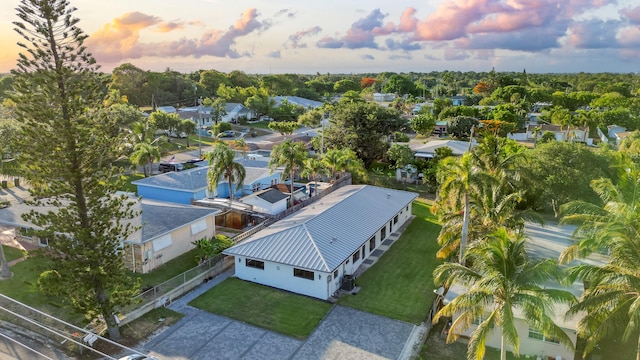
(333, 239)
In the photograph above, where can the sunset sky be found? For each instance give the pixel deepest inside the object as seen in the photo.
(354, 36)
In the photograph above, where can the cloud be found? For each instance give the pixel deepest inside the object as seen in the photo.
(294, 39)
(274, 54)
(120, 39)
(630, 37)
(399, 56)
(367, 57)
(536, 39)
(405, 45)
(594, 34)
(360, 35)
(452, 54)
(632, 14)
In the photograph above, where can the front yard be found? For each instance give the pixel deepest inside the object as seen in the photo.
(400, 284)
(273, 309)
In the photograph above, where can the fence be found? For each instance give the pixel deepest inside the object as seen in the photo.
(165, 293)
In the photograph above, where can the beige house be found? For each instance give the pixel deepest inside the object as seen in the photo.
(543, 242)
(166, 230)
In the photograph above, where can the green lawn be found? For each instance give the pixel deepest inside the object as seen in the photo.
(400, 285)
(11, 253)
(170, 269)
(277, 310)
(129, 178)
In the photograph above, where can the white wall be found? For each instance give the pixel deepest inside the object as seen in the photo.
(263, 206)
(281, 276)
(530, 346)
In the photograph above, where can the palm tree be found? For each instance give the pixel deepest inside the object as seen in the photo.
(501, 279)
(333, 161)
(223, 166)
(188, 127)
(314, 167)
(290, 155)
(612, 299)
(240, 144)
(145, 154)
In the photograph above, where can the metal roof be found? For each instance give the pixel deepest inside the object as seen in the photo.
(322, 235)
(195, 179)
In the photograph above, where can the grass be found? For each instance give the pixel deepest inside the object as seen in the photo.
(149, 323)
(129, 178)
(11, 253)
(400, 285)
(273, 309)
(169, 270)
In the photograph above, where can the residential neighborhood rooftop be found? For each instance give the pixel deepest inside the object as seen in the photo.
(320, 236)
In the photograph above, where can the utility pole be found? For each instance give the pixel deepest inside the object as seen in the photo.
(199, 128)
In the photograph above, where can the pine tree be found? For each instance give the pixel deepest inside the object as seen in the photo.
(67, 148)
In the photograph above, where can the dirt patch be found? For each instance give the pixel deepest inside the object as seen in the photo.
(436, 346)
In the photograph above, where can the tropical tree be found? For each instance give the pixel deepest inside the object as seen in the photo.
(290, 155)
(145, 154)
(218, 108)
(188, 127)
(241, 145)
(223, 166)
(67, 147)
(501, 279)
(314, 167)
(610, 302)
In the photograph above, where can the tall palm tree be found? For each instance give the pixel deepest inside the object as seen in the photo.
(314, 167)
(145, 154)
(223, 166)
(290, 155)
(333, 159)
(501, 279)
(612, 299)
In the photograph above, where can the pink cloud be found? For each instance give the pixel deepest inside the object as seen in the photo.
(633, 14)
(120, 39)
(630, 37)
(452, 18)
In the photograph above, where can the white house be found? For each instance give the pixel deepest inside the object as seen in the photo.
(543, 242)
(311, 250)
(428, 150)
(269, 201)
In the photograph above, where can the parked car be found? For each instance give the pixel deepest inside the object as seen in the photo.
(168, 167)
(266, 118)
(227, 133)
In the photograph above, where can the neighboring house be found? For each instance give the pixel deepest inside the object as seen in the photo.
(236, 111)
(539, 106)
(311, 250)
(269, 201)
(408, 174)
(428, 150)
(612, 130)
(380, 97)
(441, 128)
(576, 134)
(165, 231)
(167, 109)
(299, 191)
(544, 242)
(298, 101)
(458, 100)
(186, 186)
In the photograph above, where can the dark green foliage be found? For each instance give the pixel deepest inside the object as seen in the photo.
(363, 127)
(67, 146)
(460, 126)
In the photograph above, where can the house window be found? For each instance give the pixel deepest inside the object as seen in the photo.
(395, 220)
(372, 243)
(255, 264)
(383, 233)
(305, 274)
(363, 247)
(335, 274)
(356, 256)
(536, 334)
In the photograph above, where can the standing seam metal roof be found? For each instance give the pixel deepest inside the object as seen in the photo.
(322, 235)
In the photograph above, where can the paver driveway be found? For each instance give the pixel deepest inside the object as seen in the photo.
(344, 333)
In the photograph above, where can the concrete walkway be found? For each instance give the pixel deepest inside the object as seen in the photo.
(344, 333)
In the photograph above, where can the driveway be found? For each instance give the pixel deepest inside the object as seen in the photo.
(344, 333)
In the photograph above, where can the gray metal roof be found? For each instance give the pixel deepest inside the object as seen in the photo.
(160, 218)
(322, 235)
(156, 218)
(195, 179)
(187, 180)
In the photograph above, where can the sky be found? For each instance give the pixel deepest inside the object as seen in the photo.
(354, 36)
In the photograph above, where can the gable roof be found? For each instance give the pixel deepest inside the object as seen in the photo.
(429, 149)
(195, 179)
(322, 235)
(296, 100)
